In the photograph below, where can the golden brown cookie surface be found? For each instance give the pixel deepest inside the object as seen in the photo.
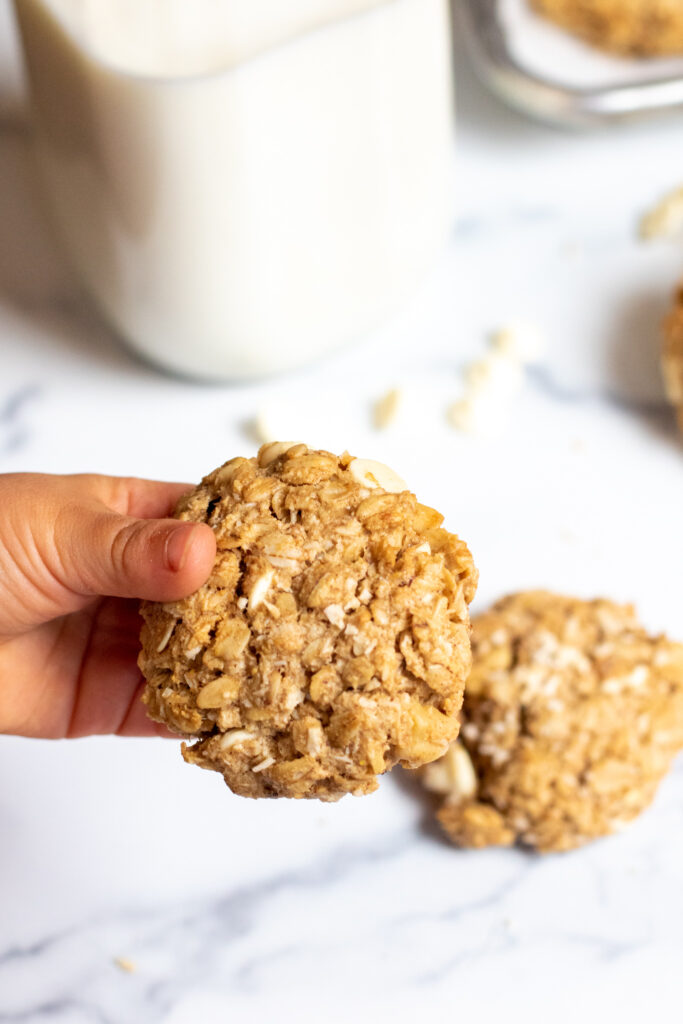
(332, 638)
(572, 716)
(637, 27)
(672, 357)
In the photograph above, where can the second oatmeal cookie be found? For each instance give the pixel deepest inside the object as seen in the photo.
(332, 638)
(572, 717)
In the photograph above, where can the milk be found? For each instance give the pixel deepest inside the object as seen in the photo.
(243, 186)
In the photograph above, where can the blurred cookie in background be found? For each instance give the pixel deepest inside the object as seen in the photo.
(672, 356)
(642, 28)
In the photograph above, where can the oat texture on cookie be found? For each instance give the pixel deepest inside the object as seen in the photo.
(572, 716)
(636, 27)
(672, 357)
(332, 638)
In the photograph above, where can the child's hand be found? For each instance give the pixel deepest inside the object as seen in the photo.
(75, 553)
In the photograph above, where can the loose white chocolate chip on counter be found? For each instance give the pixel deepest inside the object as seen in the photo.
(479, 415)
(495, 375)
(387, 408)
(125, 965)
(665, 220)
(260, 429)
(519, 341)
(494, 381)
(463, 415)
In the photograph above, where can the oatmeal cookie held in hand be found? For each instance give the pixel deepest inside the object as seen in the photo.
(572, 717)
(331, 640)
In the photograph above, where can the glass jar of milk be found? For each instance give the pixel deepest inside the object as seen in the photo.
(243, 185)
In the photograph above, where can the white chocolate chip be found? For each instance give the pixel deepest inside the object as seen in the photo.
(520, 342)
(125, 964)
(314, 741)
(453, 775)
(478, 375)
(494, 375)
(283, 563)
(462, 416)
(334, 613)
(260, 589)
(261, 429)
(225, 475)
(273, 450)
(639, 676)
(478, 416)
(636, 678)
(375, 474)
(665, 219)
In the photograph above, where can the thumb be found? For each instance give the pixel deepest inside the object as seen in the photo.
(154, 559)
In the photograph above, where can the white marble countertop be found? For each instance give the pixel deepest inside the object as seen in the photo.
(274, 911)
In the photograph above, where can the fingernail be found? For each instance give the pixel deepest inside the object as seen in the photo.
(176, 546)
